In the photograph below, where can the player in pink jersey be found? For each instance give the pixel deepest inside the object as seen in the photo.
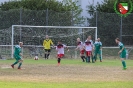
(60, 51)
(80, 46)
(88, 48)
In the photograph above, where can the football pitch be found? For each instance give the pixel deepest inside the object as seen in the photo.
(72, 73)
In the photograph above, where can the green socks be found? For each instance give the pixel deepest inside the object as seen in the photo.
(86, 59)
(15, 63)
(92, 59)
(19, 65)
(124, 64)
(100, 58)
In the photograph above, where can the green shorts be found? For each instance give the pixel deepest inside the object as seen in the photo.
(97, 52)
(123, 55)
(17, 57)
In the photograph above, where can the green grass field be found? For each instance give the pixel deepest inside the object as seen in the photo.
(72, 73)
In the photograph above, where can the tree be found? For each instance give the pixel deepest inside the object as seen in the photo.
(33, 5)
(76, 12)
(57, 9)
(40, 13)
(109, 23)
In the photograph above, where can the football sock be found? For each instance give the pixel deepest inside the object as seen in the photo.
(96, 58)
(47, 56)
(88, 58)
(15, 63)
(100, 58)
(92, 59)
(59, 60)
(124, 64)
(82, 57)
(19, 65)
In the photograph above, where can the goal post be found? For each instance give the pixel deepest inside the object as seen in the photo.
(34, 35)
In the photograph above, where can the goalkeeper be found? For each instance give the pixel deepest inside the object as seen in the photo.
(46, 44)
(97, 49)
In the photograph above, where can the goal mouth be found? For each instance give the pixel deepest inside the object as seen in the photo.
(34, 35)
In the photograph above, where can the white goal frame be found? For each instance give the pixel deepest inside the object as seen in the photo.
(12, 39)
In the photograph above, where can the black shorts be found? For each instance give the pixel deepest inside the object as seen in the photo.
(47, 50)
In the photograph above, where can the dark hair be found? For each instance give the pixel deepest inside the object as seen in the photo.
(117, 39)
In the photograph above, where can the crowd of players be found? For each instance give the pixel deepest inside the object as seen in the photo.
(88, 50)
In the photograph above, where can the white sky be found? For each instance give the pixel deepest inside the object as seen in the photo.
(3, 0)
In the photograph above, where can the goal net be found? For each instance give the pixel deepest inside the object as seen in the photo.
(33, 37)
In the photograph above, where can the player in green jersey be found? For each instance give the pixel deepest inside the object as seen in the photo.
(97, 49)
(18, 55)
(122, 52)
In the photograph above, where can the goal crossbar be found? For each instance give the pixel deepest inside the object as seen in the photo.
(51, 26)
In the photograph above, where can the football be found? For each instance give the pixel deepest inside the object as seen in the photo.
(36, 58)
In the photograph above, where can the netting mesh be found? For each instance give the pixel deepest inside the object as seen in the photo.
(36, 35)
(33, 38)
(111, 25)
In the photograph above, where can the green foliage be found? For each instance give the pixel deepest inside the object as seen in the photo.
(33, 5)
(40, 12)
(76, 11)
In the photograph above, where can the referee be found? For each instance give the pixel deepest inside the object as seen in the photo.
(46, 44)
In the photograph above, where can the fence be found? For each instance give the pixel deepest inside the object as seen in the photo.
(110, 25)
